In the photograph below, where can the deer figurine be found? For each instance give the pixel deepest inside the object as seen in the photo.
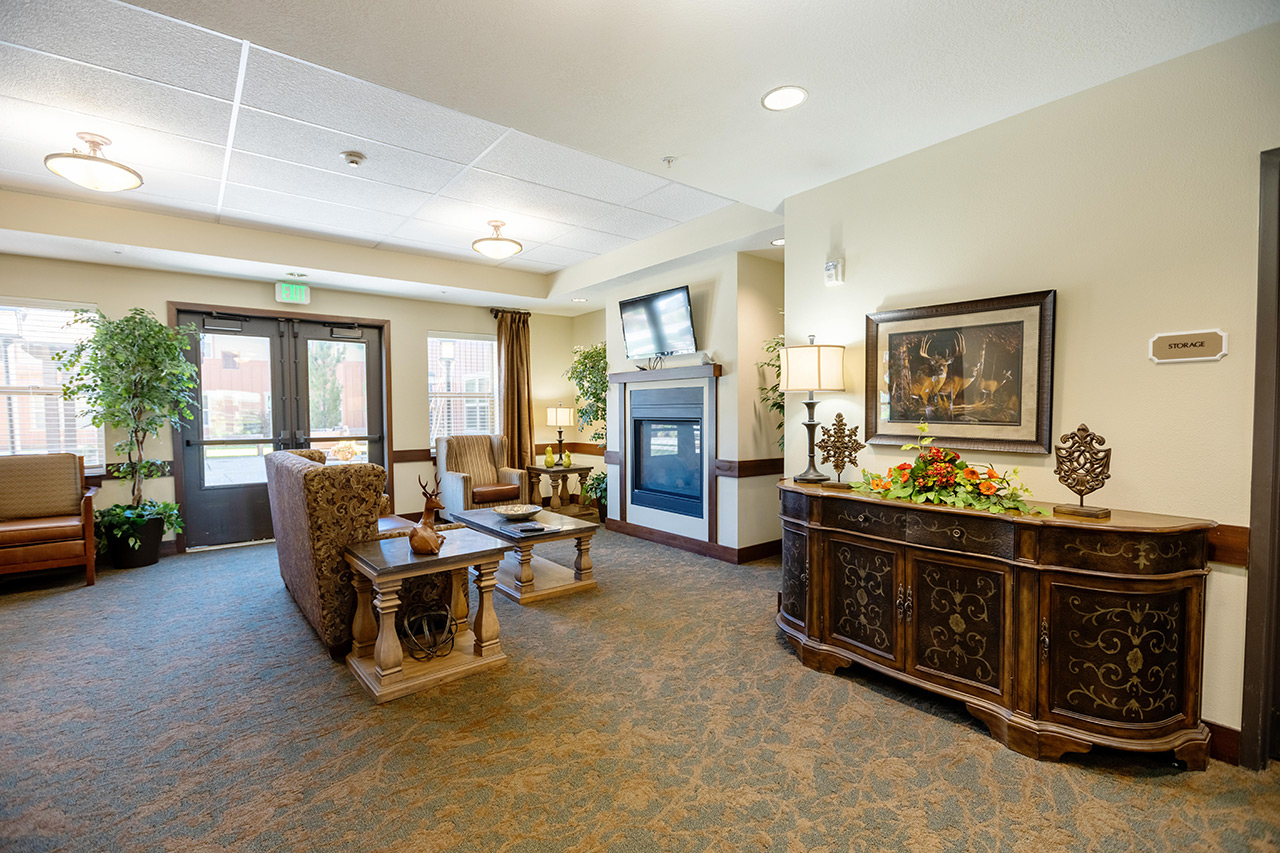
(425, 539)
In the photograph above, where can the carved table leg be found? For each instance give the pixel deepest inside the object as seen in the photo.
(564, 489)
(582, 564)
(458, 601)
(364, 631)
(387, 654)
(555, 489)
(535, 488)
(524, 571)
(486, 629)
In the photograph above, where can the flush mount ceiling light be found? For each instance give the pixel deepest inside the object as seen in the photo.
(783, 98)
(93, 171)
(781, 241)
(578, 299)
(496, 246)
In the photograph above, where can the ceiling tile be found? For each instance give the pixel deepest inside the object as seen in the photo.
(486, 188)
(261, 204)
(635, 224)
(401, 244)
(52, 185)
(49, 129)
(557, 255)
(266, 173)
(541, 162)
(475, 218)
(592, 241)
(298, 90)
(125, 38)
(319, 147)
(298, 227)
(418, 231)
(54, 82)
(679, 202)
(520, 263)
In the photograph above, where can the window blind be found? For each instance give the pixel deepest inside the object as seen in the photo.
(462, 375)
(33, 416)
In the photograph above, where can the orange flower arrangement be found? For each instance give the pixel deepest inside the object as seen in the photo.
(941, 477)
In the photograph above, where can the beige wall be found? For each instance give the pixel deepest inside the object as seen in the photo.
(117, 289)
(1137, 201)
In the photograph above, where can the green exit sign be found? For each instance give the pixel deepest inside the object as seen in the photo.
(291, 291)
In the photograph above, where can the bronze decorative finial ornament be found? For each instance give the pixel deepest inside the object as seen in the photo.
(1084, 466)
(840, 447)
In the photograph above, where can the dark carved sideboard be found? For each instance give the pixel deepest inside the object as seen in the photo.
(1057, 633)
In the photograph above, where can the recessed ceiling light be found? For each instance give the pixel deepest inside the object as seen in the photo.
(296, 274)
(93, 171)
(783, 98)
(578, 299)
(496, 246)
(781, 241)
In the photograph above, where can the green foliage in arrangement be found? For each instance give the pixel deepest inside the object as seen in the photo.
(590, 373)
(131, 375)
(123, 521)
(596, 488)
(940, 476)
(771, 395)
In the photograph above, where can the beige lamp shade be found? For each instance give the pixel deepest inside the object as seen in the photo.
(558, 416)
(812, 367)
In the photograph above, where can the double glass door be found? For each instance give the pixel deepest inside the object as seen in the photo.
(267, 385)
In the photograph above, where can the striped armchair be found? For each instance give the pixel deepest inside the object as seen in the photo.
(471, 473)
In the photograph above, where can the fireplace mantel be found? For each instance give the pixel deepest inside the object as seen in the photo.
(693, 371)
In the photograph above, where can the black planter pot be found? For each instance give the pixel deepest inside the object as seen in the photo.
(146, 554)
(604, 511)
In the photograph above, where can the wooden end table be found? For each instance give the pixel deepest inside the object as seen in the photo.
(515, 575)
(378, 569)
(559, 476)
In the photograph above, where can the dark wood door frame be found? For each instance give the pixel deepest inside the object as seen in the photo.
(175, 307)
(1260, 722)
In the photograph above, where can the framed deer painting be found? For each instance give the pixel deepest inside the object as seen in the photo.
(980, 373)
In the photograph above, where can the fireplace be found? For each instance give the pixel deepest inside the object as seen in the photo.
(667, 461)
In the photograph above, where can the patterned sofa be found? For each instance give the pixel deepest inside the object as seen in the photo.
(316, 511)
(46, 514)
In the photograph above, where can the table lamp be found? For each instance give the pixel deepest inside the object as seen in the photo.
(561, 417)
(815, 367)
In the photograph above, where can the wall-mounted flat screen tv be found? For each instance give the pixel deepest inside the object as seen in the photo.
(659, 324)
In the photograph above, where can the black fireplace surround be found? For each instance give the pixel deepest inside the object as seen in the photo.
(666, 434)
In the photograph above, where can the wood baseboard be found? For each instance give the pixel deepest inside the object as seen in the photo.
(1224, 743)
(737, 556)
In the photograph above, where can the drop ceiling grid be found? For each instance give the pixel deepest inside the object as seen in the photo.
(177, 83)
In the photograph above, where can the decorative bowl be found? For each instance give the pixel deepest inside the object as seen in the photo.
(517, 512)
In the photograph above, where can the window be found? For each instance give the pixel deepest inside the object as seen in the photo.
(33, 416)
(461, 382)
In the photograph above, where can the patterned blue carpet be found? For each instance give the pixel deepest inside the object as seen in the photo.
(188, 706)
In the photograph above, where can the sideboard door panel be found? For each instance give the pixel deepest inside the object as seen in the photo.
(958, 625)
(795, 575)
(866, 585)
(1114, 656)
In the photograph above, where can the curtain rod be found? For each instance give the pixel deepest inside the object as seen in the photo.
(496, 311)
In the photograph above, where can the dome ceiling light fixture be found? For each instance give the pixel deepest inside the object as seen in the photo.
(783, 98)
(93, 171)
(496, 246)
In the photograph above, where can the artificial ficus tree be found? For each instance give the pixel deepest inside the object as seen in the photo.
(130, 374)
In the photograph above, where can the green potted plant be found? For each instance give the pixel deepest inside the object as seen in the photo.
(771, 395)
(589, 372)
(130, 374)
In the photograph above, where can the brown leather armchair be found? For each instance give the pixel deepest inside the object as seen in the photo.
(471, 473)
(46, 514)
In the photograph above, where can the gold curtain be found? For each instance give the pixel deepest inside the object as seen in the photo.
(515, 397)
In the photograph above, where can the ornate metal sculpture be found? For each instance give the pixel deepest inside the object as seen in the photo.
(840, 447)
(1084, 466)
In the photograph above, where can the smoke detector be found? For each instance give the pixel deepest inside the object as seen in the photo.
(352, 158)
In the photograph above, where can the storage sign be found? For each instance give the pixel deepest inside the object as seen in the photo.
(1207, 345)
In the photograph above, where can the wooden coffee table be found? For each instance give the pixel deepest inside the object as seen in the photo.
(378, 570)
(515, 575)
